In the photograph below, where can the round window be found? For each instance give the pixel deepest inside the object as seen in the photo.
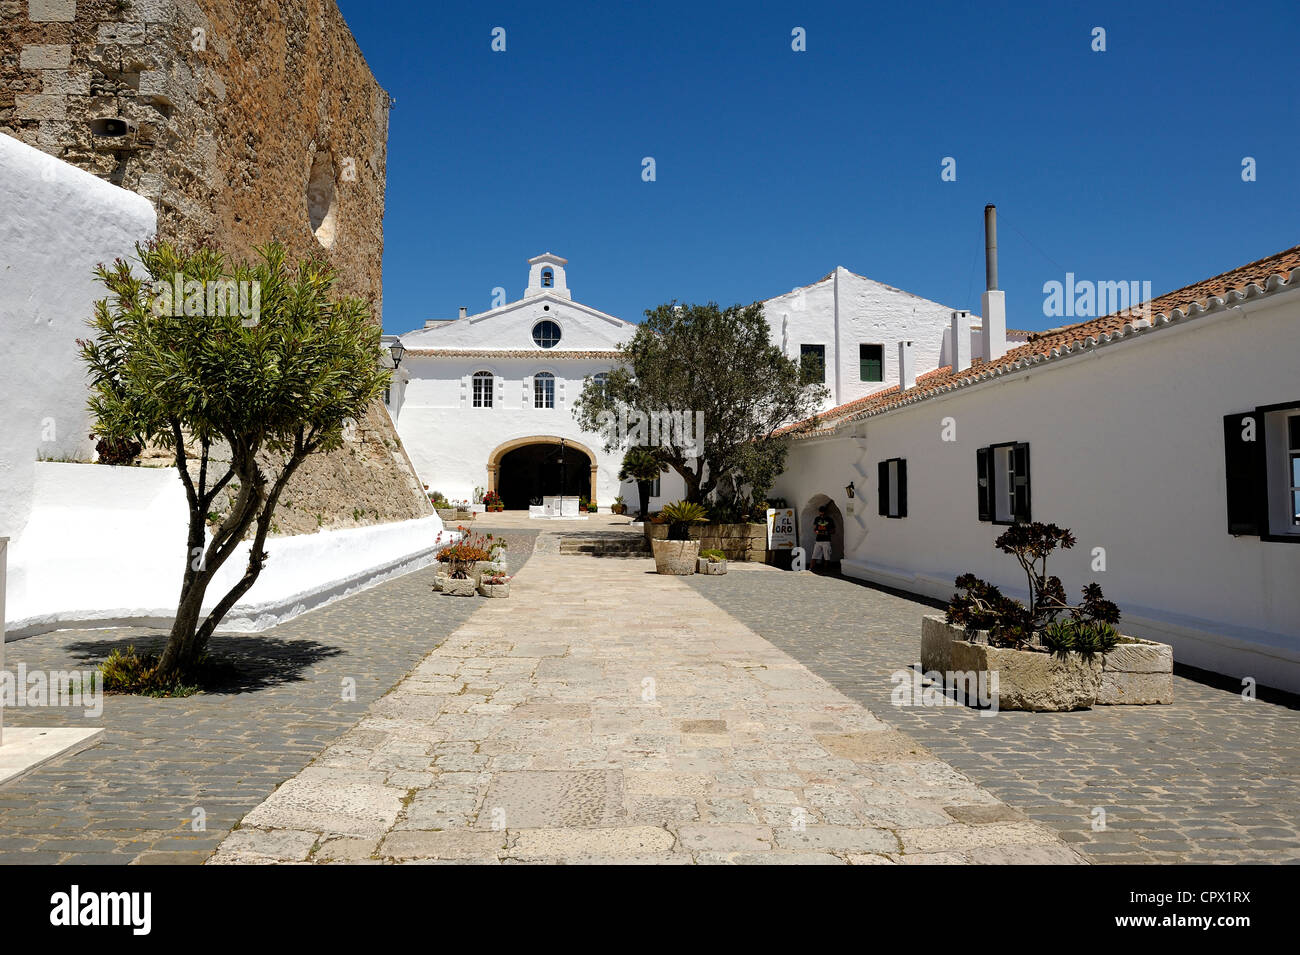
(546, 334)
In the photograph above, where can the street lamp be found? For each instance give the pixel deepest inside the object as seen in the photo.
(561, 475)
(398, 352)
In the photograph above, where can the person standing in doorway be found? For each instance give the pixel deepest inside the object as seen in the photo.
(823, 530)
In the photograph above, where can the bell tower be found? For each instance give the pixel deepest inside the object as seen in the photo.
(546, 274)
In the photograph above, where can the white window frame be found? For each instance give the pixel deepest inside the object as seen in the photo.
(547, 397)
(487, 398)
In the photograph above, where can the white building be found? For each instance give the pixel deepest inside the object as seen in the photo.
(484, 401)
(1169, 444)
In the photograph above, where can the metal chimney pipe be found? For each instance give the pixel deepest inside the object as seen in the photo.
(991, 247)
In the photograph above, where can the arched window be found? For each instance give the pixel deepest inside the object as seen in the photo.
(546, 333)
(601, 381)
(482, 389)
(543, 390)
(548, 278)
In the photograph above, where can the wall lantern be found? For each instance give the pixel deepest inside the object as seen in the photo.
(398, 352)
(848, 489)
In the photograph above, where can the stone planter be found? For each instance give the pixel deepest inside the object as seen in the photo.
(495, 590)
(737, 541)
(714, 568)
(446, 513)
(1136, 672)
(1026, 680)
(676, 557)
(454, 587)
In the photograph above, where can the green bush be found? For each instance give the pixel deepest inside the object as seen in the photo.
(129, 672)
(713, 555)
(679, 516)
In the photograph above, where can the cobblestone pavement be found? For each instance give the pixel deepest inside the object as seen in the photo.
(605, 713)
(133, 796)
(1211, 778)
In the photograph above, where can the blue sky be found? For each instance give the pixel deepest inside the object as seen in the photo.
(774, 166)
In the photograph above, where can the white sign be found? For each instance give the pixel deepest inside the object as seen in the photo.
(780, 528)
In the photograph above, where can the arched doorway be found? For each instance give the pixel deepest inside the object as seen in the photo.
(807, 537)
(526, 469)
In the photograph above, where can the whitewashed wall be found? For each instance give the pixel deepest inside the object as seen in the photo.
(846, 310)
(1126, 449)
(56, 224)
(104, 546)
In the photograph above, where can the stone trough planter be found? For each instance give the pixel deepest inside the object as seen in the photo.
(676, 557)
(712, 568)
(494, 590)
(454, 587)
(1137, 671)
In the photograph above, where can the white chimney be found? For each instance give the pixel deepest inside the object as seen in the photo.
(463, 311)
(906, 367)
(959, 354)
(993, 302)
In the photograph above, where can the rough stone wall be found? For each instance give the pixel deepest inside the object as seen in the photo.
(244, 121)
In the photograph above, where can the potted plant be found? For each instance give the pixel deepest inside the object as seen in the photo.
(1048, 655)
(494, 585)
(464, 563)
(492, 501)
(678, 554)
(711, 561)
(444, 508)
(619, 506)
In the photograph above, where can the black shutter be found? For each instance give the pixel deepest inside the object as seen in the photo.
(882, 490)
(1020, 456)
(984, 470)
(902, 487)
(1244, 470)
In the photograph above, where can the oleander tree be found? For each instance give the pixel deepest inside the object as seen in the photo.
(719, 367)
(241, 402)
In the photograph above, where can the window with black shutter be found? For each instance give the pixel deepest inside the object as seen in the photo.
(892, 476)
(1262, 472)
(1003, 475)
(984, 470)
(1243, 469)
(1020, 484)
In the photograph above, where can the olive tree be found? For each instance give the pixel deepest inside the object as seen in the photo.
(171, 367)
(724, 390)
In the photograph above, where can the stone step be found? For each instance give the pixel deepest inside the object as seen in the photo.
(624, 546)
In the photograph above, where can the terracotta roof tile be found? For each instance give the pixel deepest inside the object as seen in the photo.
(1250, 280)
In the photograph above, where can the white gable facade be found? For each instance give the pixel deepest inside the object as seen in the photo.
(486, 401)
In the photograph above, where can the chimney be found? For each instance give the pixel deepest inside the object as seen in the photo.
(906, 367)
(463, 311)
(960, 351)
(993, 302)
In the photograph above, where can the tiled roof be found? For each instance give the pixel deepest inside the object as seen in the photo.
(1248, 281)
(552, 353)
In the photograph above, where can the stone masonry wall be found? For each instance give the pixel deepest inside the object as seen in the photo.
(244, 121)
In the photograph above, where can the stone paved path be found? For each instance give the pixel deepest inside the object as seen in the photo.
(604, 713)
(132, 797)
(1211, 778)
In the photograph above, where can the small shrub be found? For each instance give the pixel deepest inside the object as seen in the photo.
(713, 555)
(679, 516)
(128, 672)
(117, 450)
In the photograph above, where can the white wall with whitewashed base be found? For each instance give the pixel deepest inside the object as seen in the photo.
(1126, 447)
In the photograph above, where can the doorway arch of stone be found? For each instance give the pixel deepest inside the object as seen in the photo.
(501, 450)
